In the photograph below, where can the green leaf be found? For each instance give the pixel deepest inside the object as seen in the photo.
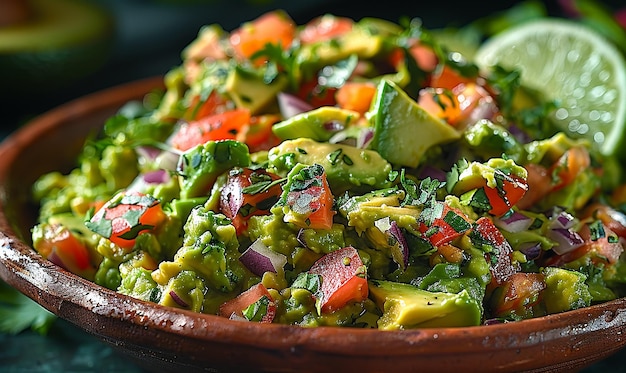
(19, 313)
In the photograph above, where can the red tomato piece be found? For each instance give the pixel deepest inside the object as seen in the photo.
(274, 27)
(125, 216)
(234, 308)
(500, 258)
(539, 185)
(574, 161)
(503, 198)
(451, 224)
(518, 295)
(356, 96)
(316, 95)
(224, 126)
(239, 205)
(312, 205)
(61, 247)
(199, 109)
(344, 279)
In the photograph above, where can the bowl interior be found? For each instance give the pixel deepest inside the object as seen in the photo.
(167, 339)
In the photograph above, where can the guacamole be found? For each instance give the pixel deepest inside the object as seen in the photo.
(339, 173)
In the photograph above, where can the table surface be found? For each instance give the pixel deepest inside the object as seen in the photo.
(149, 38)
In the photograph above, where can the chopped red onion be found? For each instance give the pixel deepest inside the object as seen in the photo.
(514, 223)
(400, 251)
(365, 137)
(428, 171)
(290, 105)
(333, 126)
(531, 250)
(147, 153)
(259, 259)
(566, 240)
(562, 219)
(143, 181)
(178, 299)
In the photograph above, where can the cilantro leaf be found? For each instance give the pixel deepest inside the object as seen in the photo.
(18, 313)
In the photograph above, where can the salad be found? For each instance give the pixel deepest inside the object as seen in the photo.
(339, 173)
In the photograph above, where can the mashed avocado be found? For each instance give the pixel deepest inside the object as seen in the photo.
(308, 180)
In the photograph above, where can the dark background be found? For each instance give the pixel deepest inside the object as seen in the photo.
(148, 39)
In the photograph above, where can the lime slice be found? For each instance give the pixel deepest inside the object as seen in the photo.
(566, 61)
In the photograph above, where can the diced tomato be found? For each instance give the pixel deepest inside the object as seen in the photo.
(356, 96)
(274, 27)
(502, 198)
(199, 109)
(324, 28)
(343, 279)
(451, 224)
(441, 103)
(423, 55)
(234, 308)
(449, 78)
(613, 219)
(258, 133)
(56, 243)
(565, 170)
(312, 205)
(223, 126)
(316, 95)
(539, 185)
(239, 205)
(518, 295)
(460, 106)
(500, 257)
(125, 216)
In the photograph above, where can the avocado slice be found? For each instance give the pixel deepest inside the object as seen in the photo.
(249, 89)
(406, 306)
(313, 124)
(53, 43)
(347, 167)
(403, 130)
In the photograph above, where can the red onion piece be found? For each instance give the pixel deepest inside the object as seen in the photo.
(429, 171)
(143, 181)
(514, 223)
(563, 220)
(531, 250)
(566, 240)
(290, 105)
(365, 138)
(400, 251)
(178, 299)
(259, 259)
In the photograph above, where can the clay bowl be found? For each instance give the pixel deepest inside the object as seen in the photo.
(167, 339)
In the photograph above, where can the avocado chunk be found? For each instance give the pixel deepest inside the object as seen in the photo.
(364, 41)
(250, 90)
(403, 130)
(347, 167)
(565, 290)
(471, 175)
(490, 140)
(405, 306)
(319, 124)
(200, 166)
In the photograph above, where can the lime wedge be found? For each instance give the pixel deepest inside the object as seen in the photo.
(566, 61)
